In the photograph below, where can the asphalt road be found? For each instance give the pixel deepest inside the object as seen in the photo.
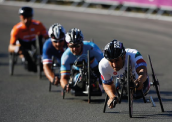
(25, 98)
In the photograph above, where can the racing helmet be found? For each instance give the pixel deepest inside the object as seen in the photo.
(56, 32)
(74, 36)
(26, 11)
(114, 49)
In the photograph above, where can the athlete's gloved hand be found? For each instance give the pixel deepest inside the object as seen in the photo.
(56, 81)
(16, 49)
(112, 102)
(139, 85)
(67, 88)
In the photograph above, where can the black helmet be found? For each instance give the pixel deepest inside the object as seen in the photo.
(26, 11)
(74, 36)
(114, 49)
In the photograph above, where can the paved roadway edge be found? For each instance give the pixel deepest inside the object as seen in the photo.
(86, 10)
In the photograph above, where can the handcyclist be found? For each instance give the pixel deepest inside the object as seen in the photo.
(114, 64)
(23, 36)
(76, 48)
(54, 46)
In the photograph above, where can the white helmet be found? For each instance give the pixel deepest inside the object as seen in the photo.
(56, 32)
(74, 36)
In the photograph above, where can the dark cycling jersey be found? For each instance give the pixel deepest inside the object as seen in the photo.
(49, 51)
(68, 58)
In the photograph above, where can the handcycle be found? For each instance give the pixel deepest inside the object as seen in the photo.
(33, 52)
(128, 88)
(87, 83)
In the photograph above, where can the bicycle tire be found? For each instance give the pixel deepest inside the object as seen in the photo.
(11, 64)
(130, 95)
(64, 93)
(105, 104)
(50, 87)
(38, 60)
(155, 83)
(88, 75)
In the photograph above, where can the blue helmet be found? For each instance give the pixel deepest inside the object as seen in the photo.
(114, 50)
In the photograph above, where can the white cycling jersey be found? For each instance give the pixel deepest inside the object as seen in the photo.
(107, 72)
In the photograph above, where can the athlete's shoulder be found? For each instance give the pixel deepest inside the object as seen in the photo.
(133, 52)
(88, 45)
(36, 22)
(47, 43)
(67, 52)
(66, 56)
(129, 50)
(103, 63)
(18, 26)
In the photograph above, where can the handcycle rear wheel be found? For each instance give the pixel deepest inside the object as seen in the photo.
(105, 104)
(38, 53)
(88, 79)
(12, 62)
(52, 68)
(129, 89)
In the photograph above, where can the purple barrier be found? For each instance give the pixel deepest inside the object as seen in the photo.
(167, 3)
(109, 0)
(142, 3)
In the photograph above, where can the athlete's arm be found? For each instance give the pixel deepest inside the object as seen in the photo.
(140, 66)
(97, 53)
(49, 73)
(12, 46)
(109, 89)
(64, 81)
(142, 76)
(107, 80)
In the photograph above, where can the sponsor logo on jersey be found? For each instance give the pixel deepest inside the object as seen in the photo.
(137, 54)
(115, 73)
(102, 77)
(32, 29)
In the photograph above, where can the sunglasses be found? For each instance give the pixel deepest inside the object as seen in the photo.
(74, 45)
(58, 41)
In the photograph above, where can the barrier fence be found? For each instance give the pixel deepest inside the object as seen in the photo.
(150, 6)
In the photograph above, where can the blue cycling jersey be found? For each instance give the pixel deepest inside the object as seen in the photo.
(68, 59)
(49, 51)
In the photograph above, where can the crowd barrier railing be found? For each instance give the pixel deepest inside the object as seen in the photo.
(150, 6)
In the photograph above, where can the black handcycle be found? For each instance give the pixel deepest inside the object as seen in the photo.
(128, 88)
(87, 83)
(31, 51)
